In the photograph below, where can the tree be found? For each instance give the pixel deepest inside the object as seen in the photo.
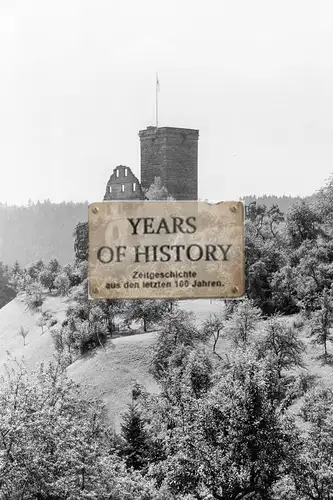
(157, 191)
(49, 274)
(265, 221)
(228, 442)
(34, 269)
(74, 274)
(313, 263)
(21, 281)
(243, 322)
(86, 325)
(135, 447)
(46, 278)
(170, 305)
(44, 230)
(24, 333)
(7, 290)
(321, 323)
(148, 311)
(80, 271)
(15, 278)
(256, 214)
(264, 256)
(34, 296)
(58, 341)
(198, 373)
(62, 284)
(111, 309)
(55, 445)
(45, 319)
(303, 223)
(81, 241)
(283, 342)
(311, 472)
(177, 336)
(54, 266)
(98, 329)
(16, 269)
(274, 218)
(323, 204)
(213, 326)
(284, 290)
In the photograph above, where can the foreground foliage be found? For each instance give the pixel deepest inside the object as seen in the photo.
(54, 445)
(223, 427)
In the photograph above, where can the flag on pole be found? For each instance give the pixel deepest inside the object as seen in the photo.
(157, 91)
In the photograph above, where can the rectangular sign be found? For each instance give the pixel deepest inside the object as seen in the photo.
(166, 250)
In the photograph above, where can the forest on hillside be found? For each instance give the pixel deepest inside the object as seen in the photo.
(44, 230)
(283, 202)
(252, 423)
(40, 230)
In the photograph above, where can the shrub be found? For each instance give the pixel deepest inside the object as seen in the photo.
(62, 284)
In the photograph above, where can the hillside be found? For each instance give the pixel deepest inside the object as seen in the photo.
(38, 347)
(42, 230)
(107, 373)
(45, 230)
(283, 202)
(194, 399)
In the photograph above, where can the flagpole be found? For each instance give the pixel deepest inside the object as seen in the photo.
(157, 85)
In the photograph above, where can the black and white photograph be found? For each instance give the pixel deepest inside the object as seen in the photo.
(166, 250)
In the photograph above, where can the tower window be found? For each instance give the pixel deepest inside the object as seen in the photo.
(122, 188)
(125, 172)
(134, 186)
(117, 173)
(110, 189)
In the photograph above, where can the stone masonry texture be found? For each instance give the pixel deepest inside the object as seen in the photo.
(123, 185)
(172, 154)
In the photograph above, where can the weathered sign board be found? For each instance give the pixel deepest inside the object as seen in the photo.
(166, 250)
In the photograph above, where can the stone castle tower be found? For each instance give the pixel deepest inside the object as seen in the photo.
(169, 153)
(172, 154)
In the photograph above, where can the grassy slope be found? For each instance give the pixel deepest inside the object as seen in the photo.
(109, 373)
(38, 347)
(314, 360)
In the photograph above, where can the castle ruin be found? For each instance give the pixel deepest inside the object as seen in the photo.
(167, 152)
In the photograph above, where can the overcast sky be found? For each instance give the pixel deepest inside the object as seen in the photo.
(77, 83)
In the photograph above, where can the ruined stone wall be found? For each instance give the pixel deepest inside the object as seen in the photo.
(123, 185)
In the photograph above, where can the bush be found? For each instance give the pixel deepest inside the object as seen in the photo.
(150, 312)
(47, 278)
(74, 274)
(243, 322)
(34, 296)
(34, 269)
(56, 445)
(62, 284)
